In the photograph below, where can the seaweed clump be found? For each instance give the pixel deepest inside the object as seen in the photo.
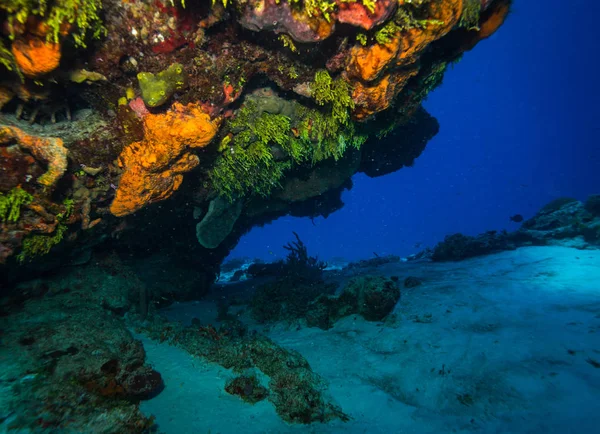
(39, 245)
(11, 203)
(246, 163)
(298, 282)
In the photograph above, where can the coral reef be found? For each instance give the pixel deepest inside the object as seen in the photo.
(373, 297)
(298, 281)
(66, 372)
(269, 108)
(248, 388)
(458, 246)
(299, 293)
(298, 266)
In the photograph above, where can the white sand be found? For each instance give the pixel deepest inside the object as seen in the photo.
(493, 332)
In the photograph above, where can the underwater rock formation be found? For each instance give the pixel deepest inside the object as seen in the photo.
(124, 123)
(72, 360)
(269, 105)
(563, 221)
(372, 297)
(456, 247)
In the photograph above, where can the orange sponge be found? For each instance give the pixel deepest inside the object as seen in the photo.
(153, 168)
(36, 57)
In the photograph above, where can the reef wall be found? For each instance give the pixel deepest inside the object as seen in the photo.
(170, 127)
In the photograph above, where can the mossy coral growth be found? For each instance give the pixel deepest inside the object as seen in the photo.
(335, 93)
(39, 245)
(58, 16)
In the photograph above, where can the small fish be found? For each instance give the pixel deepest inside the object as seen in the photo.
(417, 245)
(517, 218)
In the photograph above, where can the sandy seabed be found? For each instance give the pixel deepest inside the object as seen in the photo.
(506, 343)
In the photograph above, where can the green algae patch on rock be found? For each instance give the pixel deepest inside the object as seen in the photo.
(158, 88)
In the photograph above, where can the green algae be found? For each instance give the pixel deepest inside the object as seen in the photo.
(335, 93)
(40, 245)
(84, 15)
(11, 203)
(470, 14)
(6, 58)
(303, 135)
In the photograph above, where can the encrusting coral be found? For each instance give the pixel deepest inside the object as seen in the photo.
(375, 97)
(153, 168)
(49, 150)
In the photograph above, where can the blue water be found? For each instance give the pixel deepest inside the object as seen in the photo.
(519, 126)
